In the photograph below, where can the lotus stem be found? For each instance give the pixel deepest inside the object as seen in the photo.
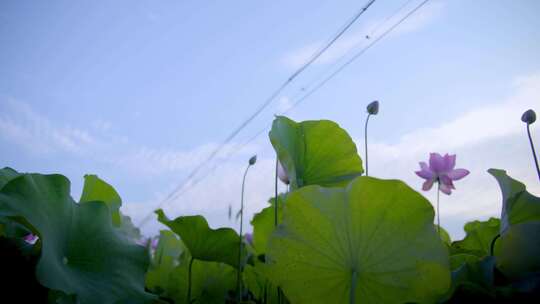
(276, 194)
(354, 279)
(279, 292)
(189, 281)
(533, 151)
(365, 144)
(438, 213)
(276, 213)
(239, 273)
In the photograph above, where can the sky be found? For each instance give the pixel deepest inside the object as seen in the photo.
(140, 92)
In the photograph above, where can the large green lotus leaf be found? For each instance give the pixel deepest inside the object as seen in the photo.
(204, 243)
(375, 237)
(168, 274)
(479, 235)
(10, 227)
(458, 259)
(473, 281)
(210, 282)
(315, 152)
(7, 226)
(518, 251)
(7, 174)
(82, 253)
(166, 258)
(128, 229)
(257, 282)
(519, 206)
(96, 189)
(13, 228)
(443, 234)
(264, 224)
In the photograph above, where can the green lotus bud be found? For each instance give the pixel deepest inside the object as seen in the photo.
(528, 117)
(253, 160)
(373, 108)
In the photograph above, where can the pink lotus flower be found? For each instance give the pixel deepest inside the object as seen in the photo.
(441, 170)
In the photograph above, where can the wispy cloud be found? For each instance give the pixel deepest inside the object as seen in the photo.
(358, 39)
(36, 134)
(474, 126)
(22, 125)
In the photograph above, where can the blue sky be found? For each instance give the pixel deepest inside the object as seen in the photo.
(139, 92)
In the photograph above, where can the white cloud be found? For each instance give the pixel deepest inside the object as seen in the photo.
(36, 134)
(350, 42)
(472, 127)
(22, 125)
(158, 161)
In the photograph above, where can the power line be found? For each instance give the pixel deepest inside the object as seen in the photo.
(390, 17)
(336, 37)
(357, 55)
(371, 33)
(263, 106)
(311, 92)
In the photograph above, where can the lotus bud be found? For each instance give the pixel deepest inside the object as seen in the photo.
(373, 108)
(528, 117)
(282, 174)
(253, 160)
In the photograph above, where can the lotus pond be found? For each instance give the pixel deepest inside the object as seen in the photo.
(337, 236)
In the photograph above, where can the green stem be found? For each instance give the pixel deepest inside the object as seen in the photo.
(276, 213)
(239, 273)
(280, 295)
(354, 279)
(533, 151)
(365, 144)
(275, 195)
(438, 214)
(189, 281)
